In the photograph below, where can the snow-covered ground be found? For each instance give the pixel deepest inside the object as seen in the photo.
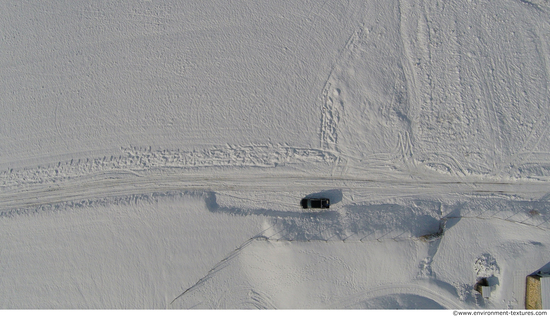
(153, 153)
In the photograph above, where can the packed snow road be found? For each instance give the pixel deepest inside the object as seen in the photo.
(275, 185)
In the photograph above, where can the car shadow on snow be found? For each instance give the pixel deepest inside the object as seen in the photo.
(335, 195)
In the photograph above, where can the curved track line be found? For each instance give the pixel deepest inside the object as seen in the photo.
(431, 291)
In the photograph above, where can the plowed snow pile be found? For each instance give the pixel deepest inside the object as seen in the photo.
(154, 154)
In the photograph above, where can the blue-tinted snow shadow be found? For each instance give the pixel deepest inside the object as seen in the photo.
(543, 270)
(353, 222)
(213, 206)
(410, 219)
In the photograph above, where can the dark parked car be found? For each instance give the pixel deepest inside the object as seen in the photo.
(315, 203)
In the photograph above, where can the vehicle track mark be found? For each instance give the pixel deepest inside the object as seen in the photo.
(138, 159)
(329, 113)
(221, 264)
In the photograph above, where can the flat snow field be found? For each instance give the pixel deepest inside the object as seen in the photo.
(153, 154)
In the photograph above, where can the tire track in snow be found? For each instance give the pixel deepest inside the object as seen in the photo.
(221, 265)
(330, 115)
(541, 125)
(539, 5)
(109, 185)
(367, 97)
(137, 159)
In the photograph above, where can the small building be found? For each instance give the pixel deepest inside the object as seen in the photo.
(482, 286)
(537, 291)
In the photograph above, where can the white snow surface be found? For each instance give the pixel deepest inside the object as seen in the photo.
(153, 153)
